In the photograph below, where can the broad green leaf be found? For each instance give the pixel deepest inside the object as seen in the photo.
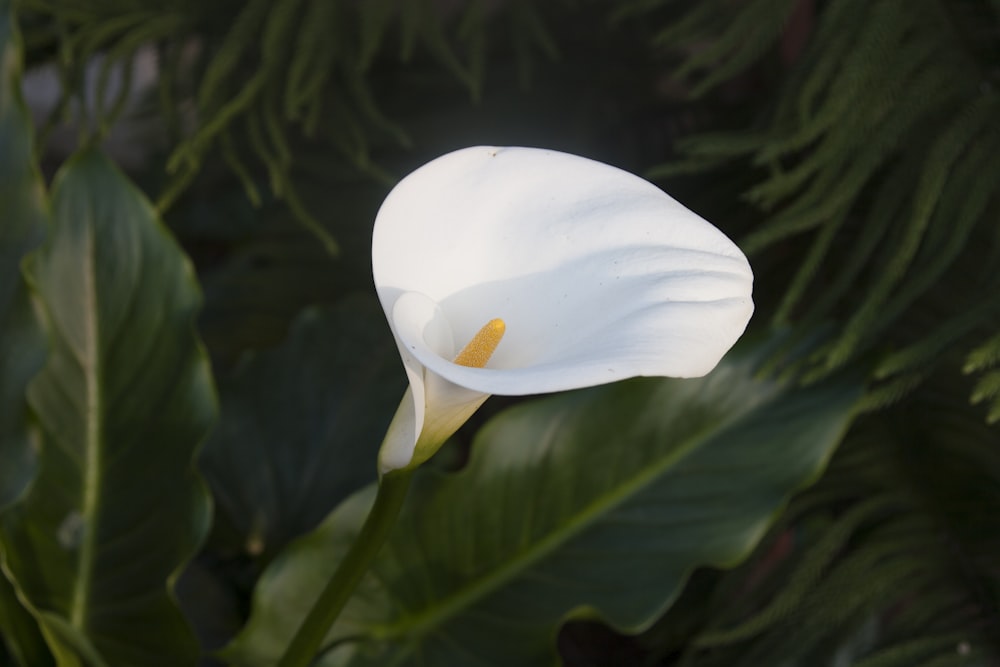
(594, 503)
(889, 560)
(122, 403)
(301, 424)
(273, 268)
(19, 630)
(22, 345)
(22, 225)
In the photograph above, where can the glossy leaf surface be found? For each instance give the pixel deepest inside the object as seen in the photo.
(123, 401)
(598, 502)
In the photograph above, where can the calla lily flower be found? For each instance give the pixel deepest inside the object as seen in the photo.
(518, 271)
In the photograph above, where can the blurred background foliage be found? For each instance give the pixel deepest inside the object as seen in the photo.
(852, 149)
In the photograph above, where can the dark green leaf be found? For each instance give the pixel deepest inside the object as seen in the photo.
(122, 403)
(22, 346)
(301, 424)
(22, 224)
(20, 631)
(598, 502)
(888, 561)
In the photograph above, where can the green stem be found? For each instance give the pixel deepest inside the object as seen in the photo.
(379, 523)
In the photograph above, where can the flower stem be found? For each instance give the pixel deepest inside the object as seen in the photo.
(379, 523)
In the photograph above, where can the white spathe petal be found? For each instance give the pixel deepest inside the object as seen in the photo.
(444, 407)
(432, 407)
(598, 274)
(401, 438)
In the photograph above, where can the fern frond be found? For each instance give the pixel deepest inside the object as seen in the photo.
(886, 205)
(526, 20)
(724, 145)
(686, 31)
(361, 95)
(983, 359)
(806, 272)
(911, 652)
(843, 164)
(742, 42)
(983, 356)
(239, 168)
(238, 42)
(803, 579)
(191, 152)
(313, 61)
(433, 38)
(935, 341)
(262, 149)
(987, 387)
(373, 17)
(275, 72)
(879, 151)
(835, 41)
(887, 393)
(906, 86)
(960, 209)
(941, 159)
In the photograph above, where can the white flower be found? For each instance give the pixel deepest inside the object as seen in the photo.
(597, 274)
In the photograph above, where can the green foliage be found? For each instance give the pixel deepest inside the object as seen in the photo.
(594, 503)
(21, 634)
(125, 397)
(983, 359)
(21, 347)
(890, 561)
(277, 73)
(294, 439)
(23, 207)
(880, 150)
(864, 138)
